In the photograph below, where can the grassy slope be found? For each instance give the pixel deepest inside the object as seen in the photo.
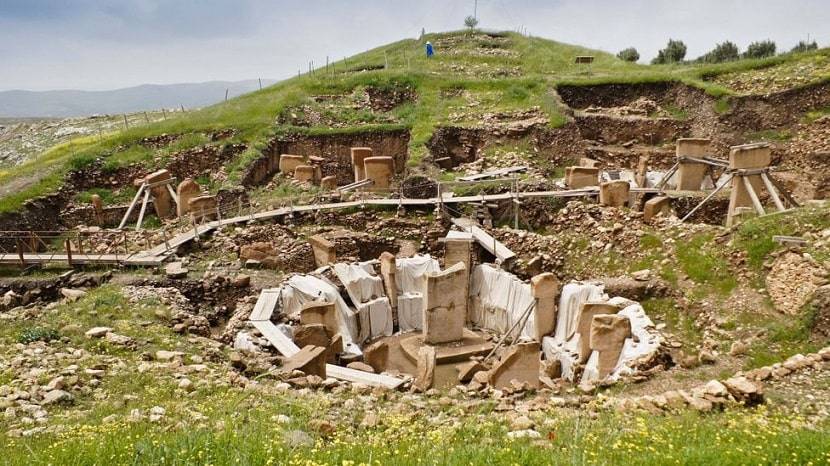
(532, 66)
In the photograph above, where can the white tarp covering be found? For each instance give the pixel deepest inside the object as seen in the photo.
(375, 318)
(499, 299)
(410, 279)
(301, 289)
(564, 345)
(410, 273)
(360, 281)
(411, 312)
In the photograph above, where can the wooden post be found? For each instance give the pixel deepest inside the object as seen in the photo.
(126, 245)
(146, 117)
(143, 209)
(163, 113)
(166, 243)
(132, 206)
(126, 125)
(260, 84)
(68, 246)
(226, 94)
(33, 242)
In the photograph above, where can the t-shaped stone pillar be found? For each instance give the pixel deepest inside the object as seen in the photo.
(388, 269)
(544, 288)
(289, 162)
(187, 190)
(690, 174)
(608, 334)
(746, 157)
(162, 200)
(584, 322)
(614, 193)
(445, 305)
(359, 155)
(581, 177)
(380, 171)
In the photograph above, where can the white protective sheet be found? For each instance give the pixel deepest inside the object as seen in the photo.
(360, 281)
(301, 289)
(411, 312)
(375, 318)
(410, 273)
(410, 279)
(499, 299)
(570, 304)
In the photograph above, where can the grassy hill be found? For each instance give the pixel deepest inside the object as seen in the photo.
(499, 72)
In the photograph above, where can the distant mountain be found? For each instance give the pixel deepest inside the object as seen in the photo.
(69, 103)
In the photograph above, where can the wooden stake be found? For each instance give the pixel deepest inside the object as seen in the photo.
(710, 196)
(68, 246)
(132, 206)
(126, 125)
(143, 209)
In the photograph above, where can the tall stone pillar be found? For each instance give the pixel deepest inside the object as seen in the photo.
(445, 305)
(545, 288)
(359, 155)
(690, 174)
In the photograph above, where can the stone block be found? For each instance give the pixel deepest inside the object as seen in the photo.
(377, 355)
(322, 313)
(520, 362)
(445, 305)
(312, 334)
(288, 163)
(328, 183)
(203, 208)
(187, 190)
(614, 193)
(658, 205)
(304, 173)
(359, 154)
(323, 249)
(587, 162)
(425, 372)
(581, 177)
(608, 334)
(545, 288)
(162, 200)
(311, 360)
(585, 320)
(380, 170)
(690, 174)
(458, 250)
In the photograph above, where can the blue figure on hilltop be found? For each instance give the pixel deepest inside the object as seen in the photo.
(430, 50)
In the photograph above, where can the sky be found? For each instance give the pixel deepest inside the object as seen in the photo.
(98, 45)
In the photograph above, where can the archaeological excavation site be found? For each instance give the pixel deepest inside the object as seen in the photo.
(480, 247)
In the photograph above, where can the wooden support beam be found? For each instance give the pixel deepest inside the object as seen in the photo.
(132, 206)
(704, 201)
(143, 210)
(773, 193)
(753, 196)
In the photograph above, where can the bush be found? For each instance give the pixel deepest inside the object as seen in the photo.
(804, 47)
(630, 54)
(762, 49)
(33, 334)
(470, 22)
(674, 52)
(726, 51)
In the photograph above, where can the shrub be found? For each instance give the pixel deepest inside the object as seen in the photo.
(726, 51)
(470, 22)
(804, 46)
(674, 52)
(762, 49)
(630, 54)
(33, 334)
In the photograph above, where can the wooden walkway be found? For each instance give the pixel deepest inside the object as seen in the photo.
(156, 255)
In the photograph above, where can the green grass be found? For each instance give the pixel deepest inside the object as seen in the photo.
(522, 78)
(814, 115)
(703, 264)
